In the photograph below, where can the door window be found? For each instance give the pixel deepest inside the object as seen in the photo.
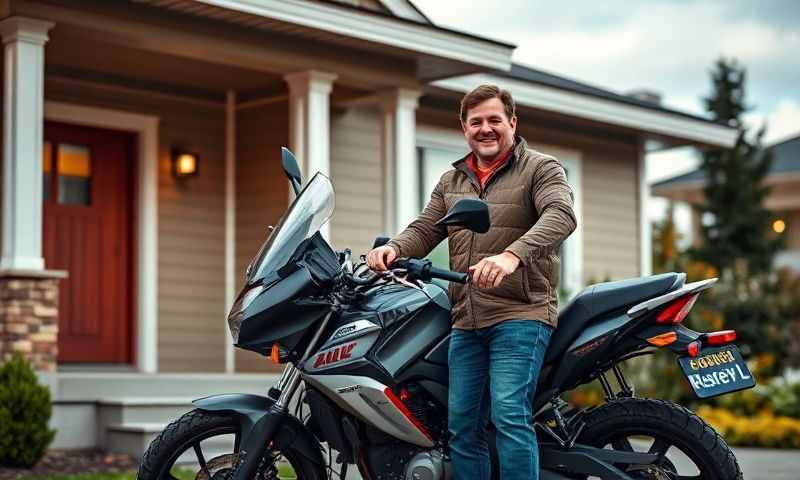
(67, 173)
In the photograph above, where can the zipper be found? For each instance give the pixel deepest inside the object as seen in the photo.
(479, 190)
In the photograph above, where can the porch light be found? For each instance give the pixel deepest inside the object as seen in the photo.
(779, 226)
(184, 164)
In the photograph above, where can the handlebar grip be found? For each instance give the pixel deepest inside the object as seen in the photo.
(448, 275)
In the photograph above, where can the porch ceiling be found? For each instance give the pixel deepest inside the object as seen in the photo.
(212, 53)
(79, 54)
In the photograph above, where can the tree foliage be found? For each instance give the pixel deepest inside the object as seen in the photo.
(736, 228)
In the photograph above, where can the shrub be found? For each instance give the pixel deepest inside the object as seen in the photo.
(762, 430)
(25, 408)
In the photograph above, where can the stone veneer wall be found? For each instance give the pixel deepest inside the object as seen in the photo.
(29, 318)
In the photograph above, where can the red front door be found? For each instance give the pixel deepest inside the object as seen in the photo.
(87, 232)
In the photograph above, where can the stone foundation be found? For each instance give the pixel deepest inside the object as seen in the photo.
(29, 317)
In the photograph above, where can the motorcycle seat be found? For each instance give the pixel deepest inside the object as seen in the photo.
(601, 298)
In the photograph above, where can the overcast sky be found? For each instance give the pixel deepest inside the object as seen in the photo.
(664, 45)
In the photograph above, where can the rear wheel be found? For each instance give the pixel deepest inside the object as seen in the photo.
(205, 446)
(688, 447)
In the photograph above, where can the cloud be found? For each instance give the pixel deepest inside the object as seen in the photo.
(783, 122)
(666, 45)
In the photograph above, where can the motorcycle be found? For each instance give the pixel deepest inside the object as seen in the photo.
(366, 373)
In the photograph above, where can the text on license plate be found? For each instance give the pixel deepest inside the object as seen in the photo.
(716, 372)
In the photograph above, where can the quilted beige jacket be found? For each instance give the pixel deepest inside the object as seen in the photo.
(530, 206)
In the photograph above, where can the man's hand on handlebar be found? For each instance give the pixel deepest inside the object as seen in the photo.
(380, 258)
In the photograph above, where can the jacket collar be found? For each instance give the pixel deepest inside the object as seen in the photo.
(520, 145)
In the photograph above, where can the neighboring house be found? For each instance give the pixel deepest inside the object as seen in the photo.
(783, 200)
(100, 96)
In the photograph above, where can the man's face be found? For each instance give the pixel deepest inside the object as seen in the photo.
(488, 130)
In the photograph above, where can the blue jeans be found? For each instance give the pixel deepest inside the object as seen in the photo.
(496, 366)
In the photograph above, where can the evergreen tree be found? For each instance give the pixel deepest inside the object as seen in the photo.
(736, 226)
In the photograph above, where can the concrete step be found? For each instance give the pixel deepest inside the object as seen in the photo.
(91, 386)
(134, 438)
(138, 411)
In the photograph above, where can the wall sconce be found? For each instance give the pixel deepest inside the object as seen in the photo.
(184, 164)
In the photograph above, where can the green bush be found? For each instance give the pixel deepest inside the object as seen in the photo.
(25, 408)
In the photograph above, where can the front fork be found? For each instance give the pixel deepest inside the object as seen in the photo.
(264, 430)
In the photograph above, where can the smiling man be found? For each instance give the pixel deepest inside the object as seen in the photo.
(502, 319)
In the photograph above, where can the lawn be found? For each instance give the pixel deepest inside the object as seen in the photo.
(285, 472)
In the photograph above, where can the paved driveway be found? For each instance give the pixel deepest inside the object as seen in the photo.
(756, 463)
(763, 463)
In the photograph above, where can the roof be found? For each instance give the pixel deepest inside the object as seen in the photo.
(529, 74)
(785, 159)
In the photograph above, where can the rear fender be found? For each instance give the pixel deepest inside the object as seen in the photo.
(251, 410)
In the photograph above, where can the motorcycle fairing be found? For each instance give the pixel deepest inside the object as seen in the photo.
(374, 403)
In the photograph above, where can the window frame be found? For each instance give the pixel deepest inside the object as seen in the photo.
(571, 159)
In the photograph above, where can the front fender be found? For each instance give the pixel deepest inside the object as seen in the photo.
(251, 410)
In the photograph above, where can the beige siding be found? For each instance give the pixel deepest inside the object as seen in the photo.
(610, 215)
(191, 330)
(262, 194)
(356, 176)
(609, 190)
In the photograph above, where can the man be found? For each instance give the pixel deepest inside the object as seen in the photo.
(503, 318)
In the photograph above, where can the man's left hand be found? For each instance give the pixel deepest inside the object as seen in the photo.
(490, 271)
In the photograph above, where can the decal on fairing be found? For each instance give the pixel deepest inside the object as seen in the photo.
(350, 331)
(335, 355)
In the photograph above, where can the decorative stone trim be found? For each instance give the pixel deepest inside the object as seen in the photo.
(29, 316)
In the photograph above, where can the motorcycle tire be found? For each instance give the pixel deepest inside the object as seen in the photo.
(189, 430)
(669, 425)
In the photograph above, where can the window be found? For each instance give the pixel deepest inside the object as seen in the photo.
(433, 162)
(438, 148)
(67, 173)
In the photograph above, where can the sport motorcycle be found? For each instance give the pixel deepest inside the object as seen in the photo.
(365, 381)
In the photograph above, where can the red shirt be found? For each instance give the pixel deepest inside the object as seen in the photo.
(483, 174)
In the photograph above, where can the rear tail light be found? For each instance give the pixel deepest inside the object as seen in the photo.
(722, 337)
(677, 310)
(693, 349)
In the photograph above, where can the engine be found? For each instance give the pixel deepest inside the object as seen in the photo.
(428, 465)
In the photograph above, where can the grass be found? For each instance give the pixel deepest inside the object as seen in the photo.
(284, 472)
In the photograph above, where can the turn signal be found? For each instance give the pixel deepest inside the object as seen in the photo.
(722, 337)
(278, 355)
(663, 340)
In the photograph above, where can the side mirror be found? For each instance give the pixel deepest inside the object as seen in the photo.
(470, 213)
(291, 168)
(380, 241)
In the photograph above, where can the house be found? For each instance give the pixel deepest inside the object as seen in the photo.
(783, 199)
(116, 272)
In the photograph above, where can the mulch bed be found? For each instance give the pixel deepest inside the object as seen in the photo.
(66, 462)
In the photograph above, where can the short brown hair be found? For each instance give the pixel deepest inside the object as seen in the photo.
(485, 92)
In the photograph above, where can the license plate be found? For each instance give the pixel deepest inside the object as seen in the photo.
(717, 371)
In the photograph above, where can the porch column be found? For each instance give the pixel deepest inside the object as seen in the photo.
(399, 158)
(310, 123)
(23, 104)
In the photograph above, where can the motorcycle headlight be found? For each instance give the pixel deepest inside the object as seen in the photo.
(236, 315)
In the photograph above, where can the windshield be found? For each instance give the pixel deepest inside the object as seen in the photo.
(309, 211)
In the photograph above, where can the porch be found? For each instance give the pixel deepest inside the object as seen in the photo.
(179, 246)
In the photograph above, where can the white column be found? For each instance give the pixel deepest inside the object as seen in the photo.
(23, 104)
(309, 123)
(645, 229)
(230, 223)
(399, 158)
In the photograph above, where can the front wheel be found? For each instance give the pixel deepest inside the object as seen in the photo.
(688, 447)
(203, 445)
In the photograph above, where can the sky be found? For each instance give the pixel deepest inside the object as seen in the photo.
(664, 45)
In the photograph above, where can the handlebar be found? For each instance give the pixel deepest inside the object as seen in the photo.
(417, 268)
(424, 270)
